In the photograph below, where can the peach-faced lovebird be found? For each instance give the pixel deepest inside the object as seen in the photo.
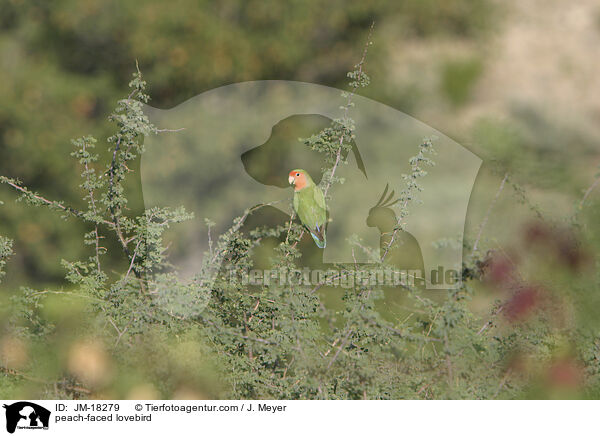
(309, 204)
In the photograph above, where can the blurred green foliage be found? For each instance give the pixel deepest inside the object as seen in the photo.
(458, 79)
(63, 63)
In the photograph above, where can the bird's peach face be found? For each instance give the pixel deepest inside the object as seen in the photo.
(297, 179)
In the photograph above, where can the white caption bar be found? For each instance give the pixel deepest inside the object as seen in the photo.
(22, 417)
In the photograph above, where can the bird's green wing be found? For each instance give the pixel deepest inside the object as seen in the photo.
(320, 209)
(309, 204)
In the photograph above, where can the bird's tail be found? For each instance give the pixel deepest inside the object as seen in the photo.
(321, 243)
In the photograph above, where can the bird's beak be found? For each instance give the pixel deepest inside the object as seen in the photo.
(291, 180)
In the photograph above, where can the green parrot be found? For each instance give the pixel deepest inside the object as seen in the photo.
(309, 204)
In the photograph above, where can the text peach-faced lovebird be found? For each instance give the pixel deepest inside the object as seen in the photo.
(309, 204)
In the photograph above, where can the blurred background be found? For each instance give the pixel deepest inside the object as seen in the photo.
(515, 82)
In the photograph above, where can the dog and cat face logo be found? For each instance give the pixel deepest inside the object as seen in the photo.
(26, 415)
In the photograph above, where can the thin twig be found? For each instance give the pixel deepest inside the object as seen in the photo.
(335, 356)
(502, 383)
(50, 203)
(170, 130)
(287, 236)
(488, 212)
(490, 322)
(135, 252)
(120, 333)
(589, 191)
(71, 294)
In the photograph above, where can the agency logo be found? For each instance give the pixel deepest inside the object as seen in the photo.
(27, 416)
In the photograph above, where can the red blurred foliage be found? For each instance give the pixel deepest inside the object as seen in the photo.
(562, 243)
(497, 269)
(522, 303)
(565, 373)
(570, 253)
(537, 232)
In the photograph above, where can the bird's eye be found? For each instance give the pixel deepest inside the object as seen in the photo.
(297, 174)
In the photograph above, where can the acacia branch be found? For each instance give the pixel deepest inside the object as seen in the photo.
(66, 386)
(50, 203)
(346, 108)
(339, 350)
(93, 204)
